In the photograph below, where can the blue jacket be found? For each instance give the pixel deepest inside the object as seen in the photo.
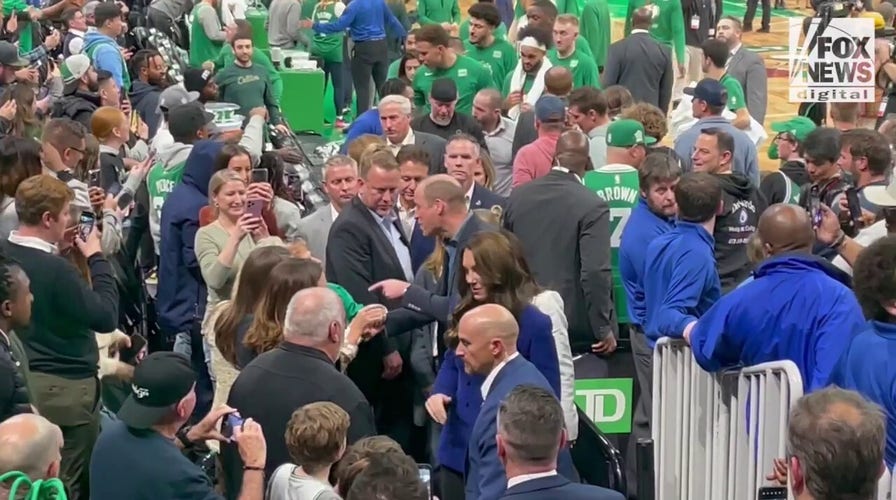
(559, 487)
(106, 55)
(642, 228)
(867, 367)
(485, 478)
(181, 293)
(680, 280)
(422, 247)
(367, 122)
(365, 20)
(746, 161)
(797, 308)
(535, 343)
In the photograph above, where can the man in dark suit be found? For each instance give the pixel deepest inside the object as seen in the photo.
(557, 82)
(395, 117)
(641, 64)
(530, 437)
(413, 163)
(367, 245)
(462, 156)
(565, 232)
(487, 338)
(745, 66)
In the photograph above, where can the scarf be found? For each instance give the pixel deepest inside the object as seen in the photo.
(518, 80)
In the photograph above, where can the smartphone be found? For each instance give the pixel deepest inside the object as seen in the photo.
(889, 216)
(259, 175)
(124, 199)
(424, 471)
(254, 207)
(85, 224)
(772, 493)
(93, 178)
(135, 353)
(231, 422)
(815, 211)
(855, 206)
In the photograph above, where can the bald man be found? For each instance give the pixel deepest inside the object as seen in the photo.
(797, 307)
(29, 444)
(487, 338)
(557, 82)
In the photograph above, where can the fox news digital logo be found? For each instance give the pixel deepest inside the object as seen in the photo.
(834, 63)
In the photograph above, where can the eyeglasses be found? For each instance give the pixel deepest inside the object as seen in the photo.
(79, 151)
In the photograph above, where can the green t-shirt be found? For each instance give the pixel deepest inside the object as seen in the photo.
(668, 23)
(437, 11)
(259, 58)
(469, 75)
(202, 48)
(736, 99)
(248, 87)
(463, 32)
(583, 69)
(500, 57)
(327, 47)
(527, 84)
(618, 185)
(160, 182)
(393, 69)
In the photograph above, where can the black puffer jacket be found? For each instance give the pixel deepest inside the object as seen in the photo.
(78, 106)
(14, 397)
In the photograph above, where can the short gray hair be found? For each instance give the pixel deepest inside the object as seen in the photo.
(311, 312)
(530, 422)
(30, 443)
(403, 102)
(838, 437)
(339, 161)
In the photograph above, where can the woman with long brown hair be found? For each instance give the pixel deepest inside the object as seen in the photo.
(491, 275)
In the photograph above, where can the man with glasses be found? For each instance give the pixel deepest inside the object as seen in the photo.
(784, 185)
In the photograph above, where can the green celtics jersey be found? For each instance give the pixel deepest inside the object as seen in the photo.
(327, 47)
(792, 191)
(583, 69)
(160, 182)
(500, 57)
(469, 75)
(618, 185)
(736, 98)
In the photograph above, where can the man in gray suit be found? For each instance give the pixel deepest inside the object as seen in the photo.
(341, 185)
(395, 117)
(641, 64)
(745, 66)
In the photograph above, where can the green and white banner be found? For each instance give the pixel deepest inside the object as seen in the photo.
(608, 402)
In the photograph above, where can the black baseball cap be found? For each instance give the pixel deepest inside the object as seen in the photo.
(187, 119)
(160, 382)
(195, 79)
(710, 91)
(9, 56)
(443, 90)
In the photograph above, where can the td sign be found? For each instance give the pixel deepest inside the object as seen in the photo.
(607, 402)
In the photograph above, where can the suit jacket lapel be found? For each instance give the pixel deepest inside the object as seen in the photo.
(379, 235)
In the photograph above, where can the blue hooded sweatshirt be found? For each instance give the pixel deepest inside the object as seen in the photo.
(181, 293)
(798, 308)
(680, 280)
(867, 367)
(642, 228)
(105, 55)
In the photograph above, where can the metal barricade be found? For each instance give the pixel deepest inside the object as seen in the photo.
(716, 435)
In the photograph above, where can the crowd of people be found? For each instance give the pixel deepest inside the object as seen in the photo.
(518, 202)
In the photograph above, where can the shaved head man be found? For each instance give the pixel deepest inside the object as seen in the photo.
(572, 152)
(29, 444)
(558, 81)
(487, 337)
(783, 228)
(441, 206)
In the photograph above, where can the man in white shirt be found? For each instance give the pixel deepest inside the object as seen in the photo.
(395, 117)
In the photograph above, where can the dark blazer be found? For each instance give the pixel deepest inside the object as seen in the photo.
(547, 488)
(748, 68)
(435, 147)
(292, 376)
(460, 123)
(484, 198)
(358, 255)
(525, 131)
(565, 231)
(485, 478)
(642, 65)
(421, 247)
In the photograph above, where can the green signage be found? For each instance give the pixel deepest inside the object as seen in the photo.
(608, 402)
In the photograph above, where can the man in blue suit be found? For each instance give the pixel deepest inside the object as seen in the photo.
(487, 345)
(530, 437)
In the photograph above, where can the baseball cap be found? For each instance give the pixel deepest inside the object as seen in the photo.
(798, 126)
(9, 56)
(550, 109)
(174, 96)
(160, 381)
(710, 91)
(187, 119)
(74, 67)
(624, 133)
(195, 79)
(443, 90)
(882, 196)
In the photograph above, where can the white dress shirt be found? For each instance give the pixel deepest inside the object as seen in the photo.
(469, 196)
(494, 373)
(333, 212)
(529, 477)
(408, 141)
